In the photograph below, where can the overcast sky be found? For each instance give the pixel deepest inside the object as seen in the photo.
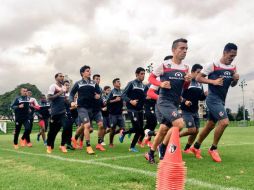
(40, 38)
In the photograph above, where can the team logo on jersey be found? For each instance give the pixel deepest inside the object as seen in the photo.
(174, 114)
(189, 124)
(17, 123)
(135, 119)
(221, 113)
(227, 73)
(85, 119)
(172, 148)
(178, 74)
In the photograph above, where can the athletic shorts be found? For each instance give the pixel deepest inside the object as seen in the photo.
(106, 122)
(167, 114)
(216, 110)
(84, 115)
(117, 120)
(97, 117)
(191, 119)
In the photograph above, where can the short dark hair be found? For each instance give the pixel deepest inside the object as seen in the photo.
(66, 81)
(43, 95)
(82, 69)
(57, 74)
(175, 43)
(116, 79)
(139, 69)
(168, 57)
(96, 75)
(196, 67)
(106, 87)
(230, 46)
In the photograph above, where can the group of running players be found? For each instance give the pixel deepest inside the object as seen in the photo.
(171, 98)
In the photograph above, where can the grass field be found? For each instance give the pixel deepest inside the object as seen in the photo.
(31, 168)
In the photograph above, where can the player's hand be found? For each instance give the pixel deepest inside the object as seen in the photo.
(236, 77)
(134, 102)
(104, 109)
(187, 77)
(97, 96)
(118, 99)
(218, 82)
(148, 98)
(21, 106)
(206, 93)
(73, 104)
(165, 84)
(188, 103)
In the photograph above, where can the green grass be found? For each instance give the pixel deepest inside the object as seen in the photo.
(32, 168)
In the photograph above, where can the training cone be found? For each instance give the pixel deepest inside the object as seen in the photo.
(171, 171)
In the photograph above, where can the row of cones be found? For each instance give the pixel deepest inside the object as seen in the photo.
(171, 171)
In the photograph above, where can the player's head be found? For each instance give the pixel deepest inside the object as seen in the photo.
(23, 91)
(116, 83)
(168, 57)
(229, 53)
(67, 85)
(196, 68)
(29, 93)
(140, 73)
(107, 90)
(179, 48)
(43, 98)
(59, 77)
(85, 71)
(97, 78)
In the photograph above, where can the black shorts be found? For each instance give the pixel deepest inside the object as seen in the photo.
(191, 119)
(167, 114)
(106, 122)
(216, 110)
(84, 115)
(117, 120)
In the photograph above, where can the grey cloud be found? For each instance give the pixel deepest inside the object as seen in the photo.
(36, 49)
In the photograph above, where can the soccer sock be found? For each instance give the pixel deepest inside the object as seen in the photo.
(151, 152)
(88, 143)
(213, 147)
(197, 145)
(76, 137)
(187, 146)
(100, 140)
(151, 133)
(163, 146)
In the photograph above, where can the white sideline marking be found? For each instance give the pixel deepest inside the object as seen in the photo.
(191, 181)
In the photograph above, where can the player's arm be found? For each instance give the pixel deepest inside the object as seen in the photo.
(72, 94)
(15, 104)
(51, 95)
(97, 92)
(152, 94)
(235, 79)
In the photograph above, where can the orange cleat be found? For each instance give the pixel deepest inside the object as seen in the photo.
(29, 144)
(149, 144)
(188, 151)
(197, 152)
(215, 155)
(49, 149)
(15, 146)
(141, 144)
(89, 150)
(111, 145)
(22, 142)
(74, 143)
(80, 144)
(63, 149)
(100, 147)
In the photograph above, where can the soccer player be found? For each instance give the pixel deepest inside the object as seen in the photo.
(221, 75)
(21, 110)
(115, 109)
(172, 75)
(191, 95)
(33, 106)
(56, 96)
(134, 96)
(43, 116)
(88, 91)
(104, 111)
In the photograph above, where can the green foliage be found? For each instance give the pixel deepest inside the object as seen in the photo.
(7, 98)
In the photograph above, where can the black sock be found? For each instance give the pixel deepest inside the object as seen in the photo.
(151, 133)
(197, 145)
(187, 146)
(151, 152)
(213, 147)
(88, 143)
(100, 140)
(163, 146)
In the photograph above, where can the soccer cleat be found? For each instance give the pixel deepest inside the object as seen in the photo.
(100, 147)
(70, 147)
(149, 158)
(149, 144)
(187, 151)
(121, 138)
(196, 152)
(215, 155)
(89, 150)
(15, 146)
(80, 144)
(22, 142)
(49, 150)
(29, 144)
(74, 143)
(133, 150)
(141, 144)
(103, 143)
(38, 137)
(111, 145)
(161, 150)
(63, 149)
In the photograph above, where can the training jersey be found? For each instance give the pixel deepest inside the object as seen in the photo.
(21, 113)
(98, 102)
(104, 99)
(135, 90)
(194, 92)
(57, 105)
(86, 90)
(175, 73)
(115, 108)
(43, 112)
(149, 104)
(33, 104)
(215, 71)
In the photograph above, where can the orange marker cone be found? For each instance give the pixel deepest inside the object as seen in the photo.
(171, 171)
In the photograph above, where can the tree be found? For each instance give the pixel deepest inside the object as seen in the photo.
(230, 115)
(239, 115)
(7, 98)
